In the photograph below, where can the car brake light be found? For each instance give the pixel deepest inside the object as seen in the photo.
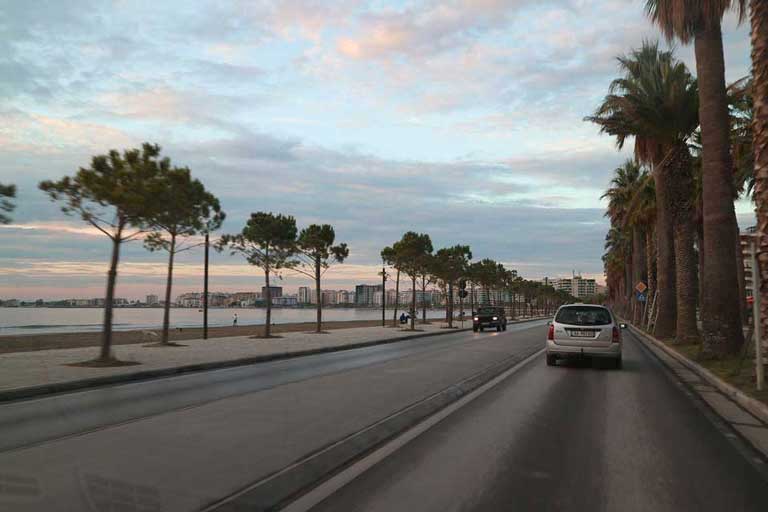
(616, 335)
(551, 333)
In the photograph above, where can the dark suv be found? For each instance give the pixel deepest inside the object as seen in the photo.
(489, 316)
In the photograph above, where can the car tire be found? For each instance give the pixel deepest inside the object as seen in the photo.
(504, 328)
(498, 328)
(474, 329)
(551, 360)
(481, 329)
(617, 364)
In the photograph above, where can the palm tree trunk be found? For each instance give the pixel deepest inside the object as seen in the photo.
(759, 35)
(639, 266)
(680, 175)
(741, 278)
(106, 331)
(720, 308)
(665, 258)
(168, 284)
(450, 305)
(423, 299)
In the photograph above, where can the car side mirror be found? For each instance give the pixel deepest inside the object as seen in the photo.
(623, 326)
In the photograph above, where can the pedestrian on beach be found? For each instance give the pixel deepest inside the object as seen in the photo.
(234, 320)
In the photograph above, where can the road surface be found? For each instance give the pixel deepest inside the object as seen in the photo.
(568, 438)
(564, 438)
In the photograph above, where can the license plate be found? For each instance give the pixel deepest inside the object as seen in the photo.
(582, 334)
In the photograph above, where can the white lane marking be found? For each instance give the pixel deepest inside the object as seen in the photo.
(330, 486)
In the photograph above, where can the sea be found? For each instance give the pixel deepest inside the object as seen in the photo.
(33, 320)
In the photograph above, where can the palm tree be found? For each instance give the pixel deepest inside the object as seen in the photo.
(759, 34)
(656, 102)
(700, 22)
(627, 189)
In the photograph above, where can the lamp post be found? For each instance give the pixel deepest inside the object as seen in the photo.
(383, 275)
(205, 289)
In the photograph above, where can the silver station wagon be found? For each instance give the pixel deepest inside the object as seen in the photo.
(584, 330)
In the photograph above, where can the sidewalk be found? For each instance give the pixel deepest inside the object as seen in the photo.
(47, 367)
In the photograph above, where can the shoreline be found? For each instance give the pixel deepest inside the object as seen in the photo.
(34, 342)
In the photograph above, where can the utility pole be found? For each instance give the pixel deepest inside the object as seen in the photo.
(205, 289)
(383, 275)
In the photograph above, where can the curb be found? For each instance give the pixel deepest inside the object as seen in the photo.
(77, 385)
(281, 487)
(754, 407)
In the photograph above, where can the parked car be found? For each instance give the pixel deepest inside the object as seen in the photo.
(489, 316)
(584, 330)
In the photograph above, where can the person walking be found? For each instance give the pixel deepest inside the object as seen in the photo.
(234, 320)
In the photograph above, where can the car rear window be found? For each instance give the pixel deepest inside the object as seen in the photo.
(583, 315)
(488, 311)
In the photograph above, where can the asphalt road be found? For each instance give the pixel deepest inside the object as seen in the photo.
(183, 443)
(568, 438)
(29, 422)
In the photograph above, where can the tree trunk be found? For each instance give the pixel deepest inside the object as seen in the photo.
(413, 302)
(639, 270)
(700, 244)
(423, 300)
(759, 35)
(268, 325)
(319, 295)
(741, 278)
(679, 173)
(450, 305)
(106, 332)
(665, 258)
(720, 310)
(650, 258)
(168, 284)
(397, 299)
(472, 297)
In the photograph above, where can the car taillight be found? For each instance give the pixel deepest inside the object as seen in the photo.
(551, 333)
(616, 335)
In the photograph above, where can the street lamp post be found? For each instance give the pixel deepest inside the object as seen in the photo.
(383, 275)
(205, 289)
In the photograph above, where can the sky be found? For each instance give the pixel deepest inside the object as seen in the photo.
(458, 118)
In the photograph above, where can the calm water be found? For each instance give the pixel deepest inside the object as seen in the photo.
(56, 320)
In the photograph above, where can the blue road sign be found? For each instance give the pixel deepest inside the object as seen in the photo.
(641, 297)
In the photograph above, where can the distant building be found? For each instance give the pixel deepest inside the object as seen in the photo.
(576, 285)
(364, 294)
(152, 300)
(343, 297)
(275, 291)
(329, 297)
(304, 295)
(242, 299)
(285, 301)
